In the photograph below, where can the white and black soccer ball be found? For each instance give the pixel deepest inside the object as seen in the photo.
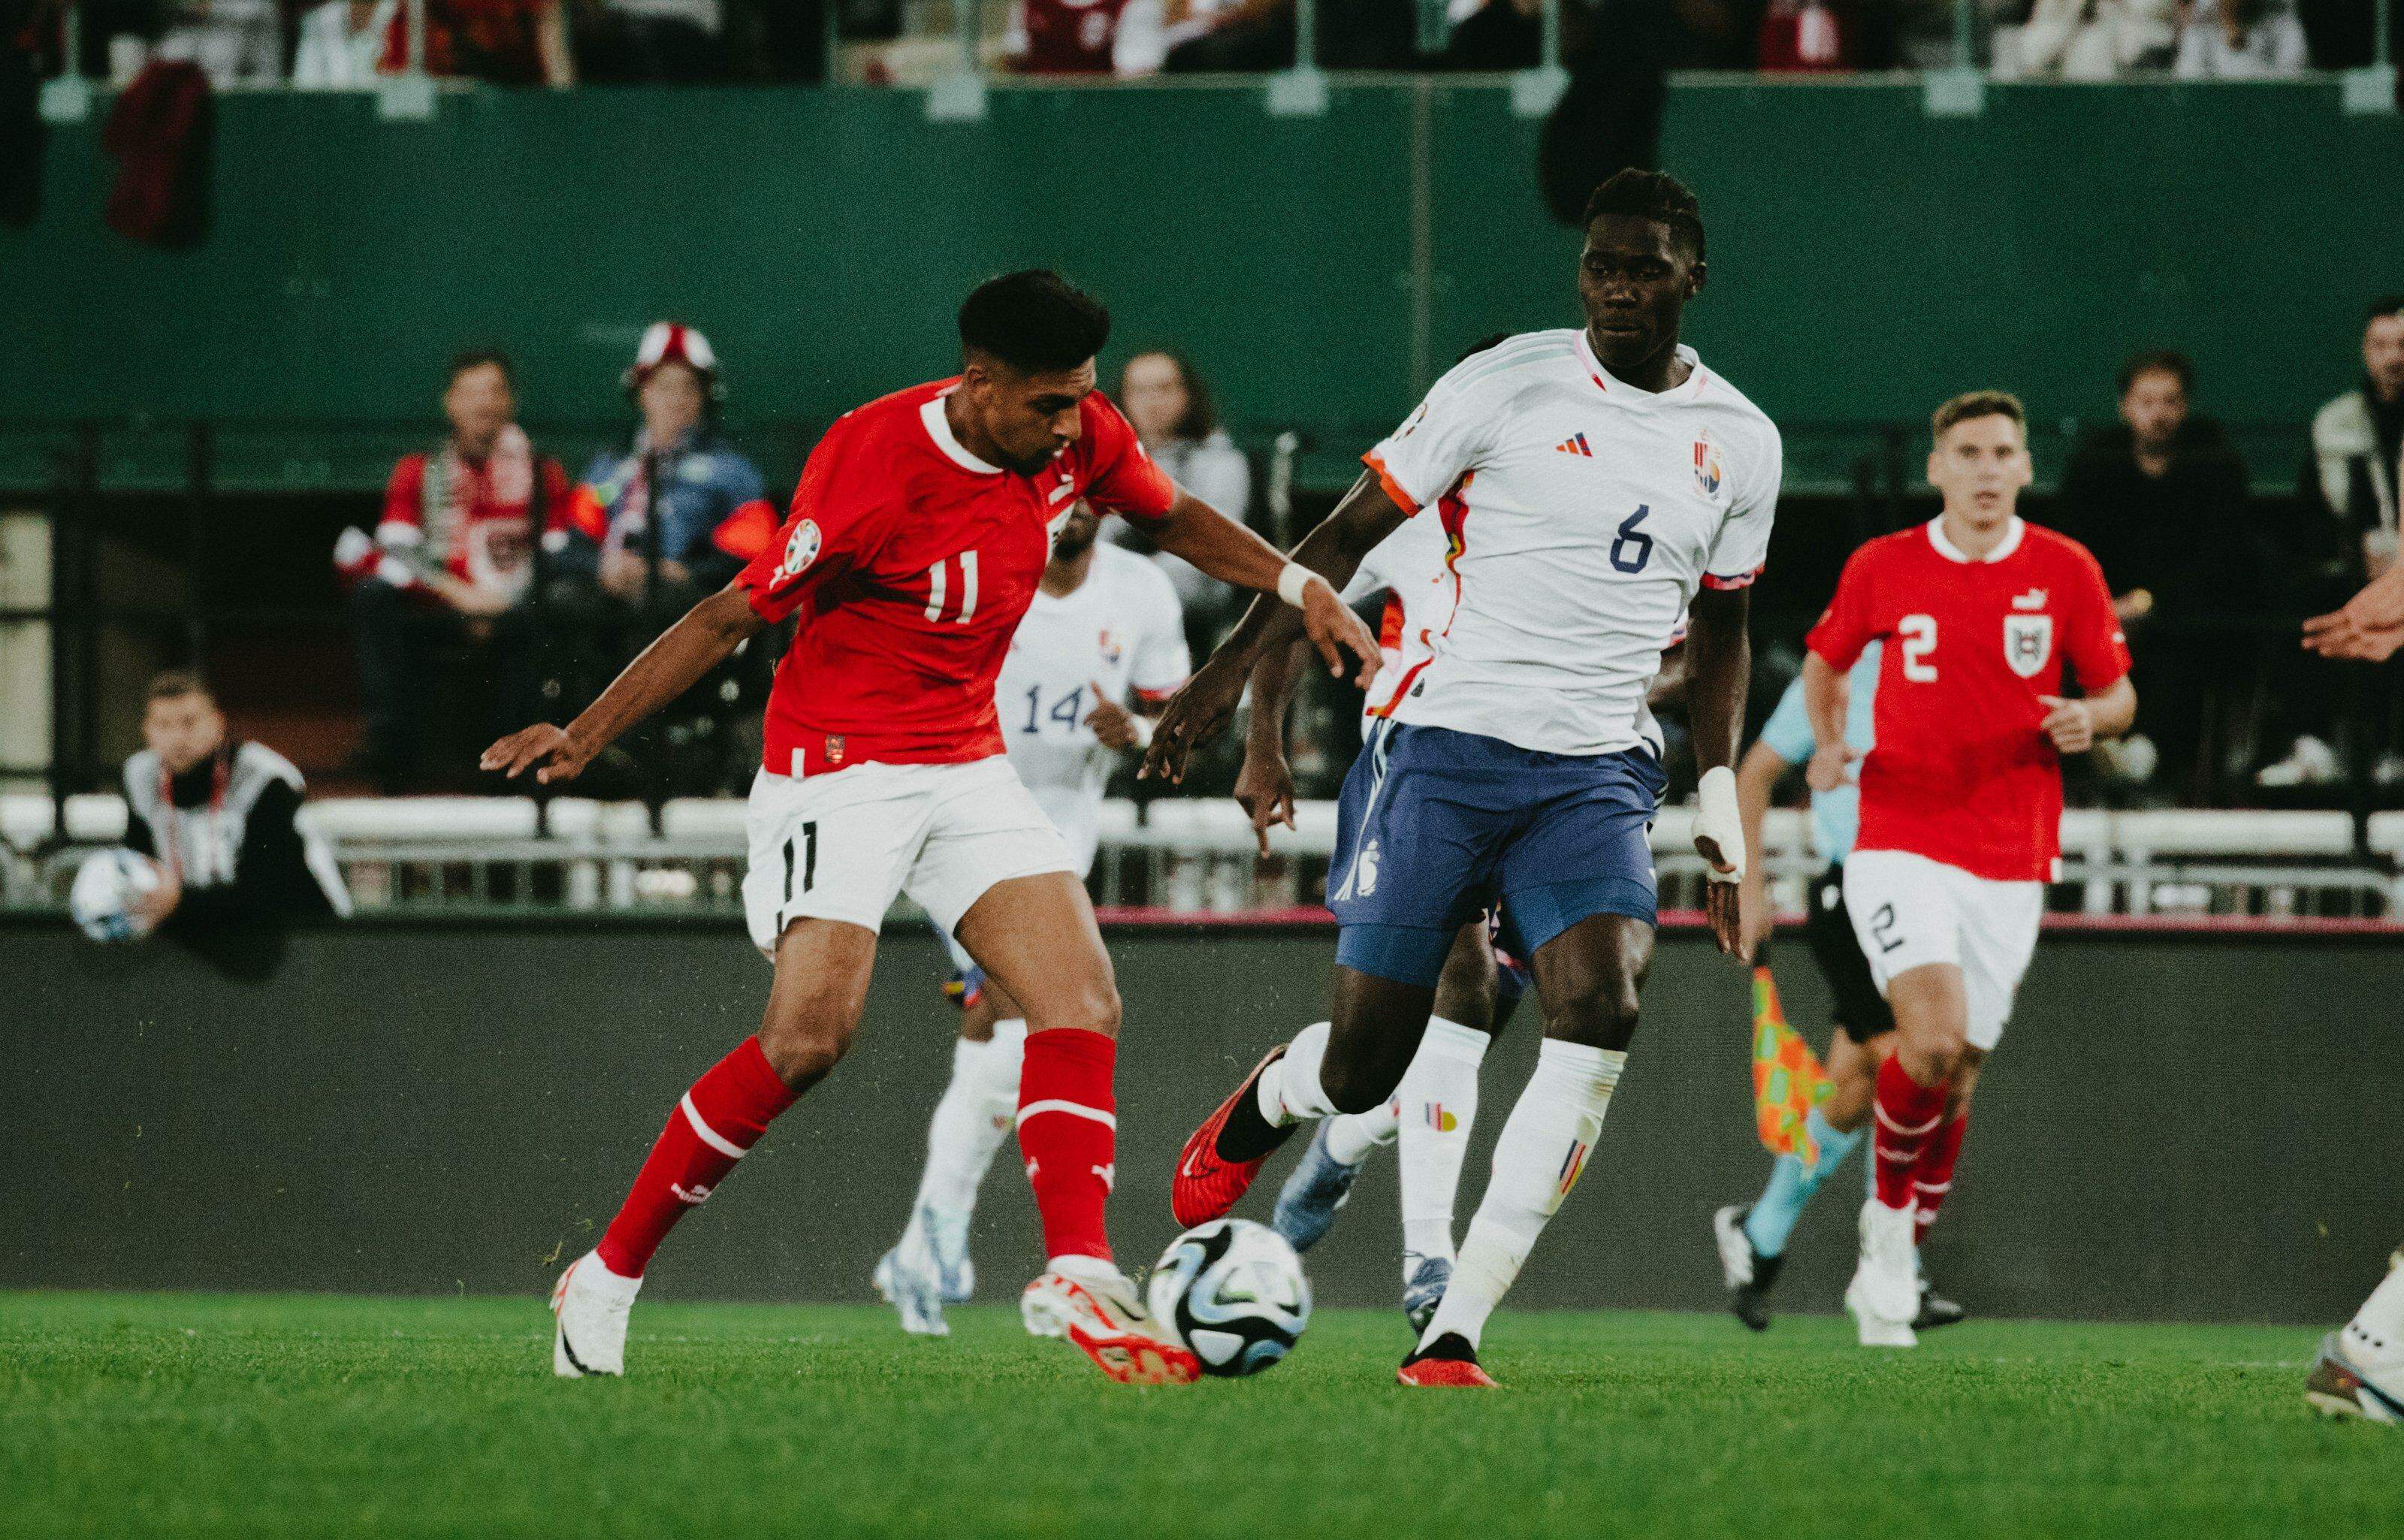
(105, 886)
(1234, 1293)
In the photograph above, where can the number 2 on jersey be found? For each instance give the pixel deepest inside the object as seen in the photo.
(1919, 634)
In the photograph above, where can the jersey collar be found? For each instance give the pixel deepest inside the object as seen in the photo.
(1613, 385)
(1952, 553)
(939, 427)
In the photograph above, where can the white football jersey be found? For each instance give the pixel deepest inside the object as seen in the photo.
(1408, 568)
(1120, 632)
(1582, 515)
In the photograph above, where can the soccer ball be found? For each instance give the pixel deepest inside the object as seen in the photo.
(105, 887)
(1234, 1293)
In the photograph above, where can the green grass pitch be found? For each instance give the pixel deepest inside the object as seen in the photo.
(191, 1415)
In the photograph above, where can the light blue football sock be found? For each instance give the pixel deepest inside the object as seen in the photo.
(1792, 1185)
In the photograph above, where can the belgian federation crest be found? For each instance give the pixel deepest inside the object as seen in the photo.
(1707, 466)
(2028, 643)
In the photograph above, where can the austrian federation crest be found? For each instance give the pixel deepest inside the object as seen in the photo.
(2028, 643)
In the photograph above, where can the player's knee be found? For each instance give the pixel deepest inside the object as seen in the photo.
(1091, 1003)
(1599, 1012)
(1934, 1059)
(804, 1040)
(1354, 1085)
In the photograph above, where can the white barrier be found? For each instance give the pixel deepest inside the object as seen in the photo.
(1197, 853)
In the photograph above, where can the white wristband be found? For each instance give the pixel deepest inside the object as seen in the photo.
(1142, 727)
(1292, 581)
(1717, 819)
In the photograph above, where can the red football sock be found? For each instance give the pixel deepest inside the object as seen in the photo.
(1932, 1178)
(1068, 1131)
(717, 1120)
(1906, 1113)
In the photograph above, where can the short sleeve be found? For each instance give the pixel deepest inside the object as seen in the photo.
(1741, 548)
(1121, 477)
(834, 521)
(2098, 649)
(1161, 661)
(1787, 733)
(1439, 443)
(404, 494)
(1848, 624)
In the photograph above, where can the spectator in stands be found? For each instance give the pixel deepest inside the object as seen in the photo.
(234, 42)
(635, 42)
(2349, 494)
(218, 817)
(347, 44)
(1801, 37)
(2242, 40)
(506, 42)
(1171, 412)
(452, 563)
(1066, 36)
(629, 553)
(2093, 39)
(2160, 496)
(1148, 30)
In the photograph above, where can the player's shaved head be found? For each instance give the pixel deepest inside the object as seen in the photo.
(1034, 321)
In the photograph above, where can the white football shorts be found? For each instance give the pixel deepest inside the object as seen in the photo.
(1910, 911)
(841, 846)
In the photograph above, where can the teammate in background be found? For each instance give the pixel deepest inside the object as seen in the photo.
(1985, 618)
(915, 542)
(1592, 484)
(1752, 1238)
(1479, 989)
(1104, 626)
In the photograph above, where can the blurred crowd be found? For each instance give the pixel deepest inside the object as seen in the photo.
(347, 44)
(494, 591)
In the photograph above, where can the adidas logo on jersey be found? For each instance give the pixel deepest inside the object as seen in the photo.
(1575, 444)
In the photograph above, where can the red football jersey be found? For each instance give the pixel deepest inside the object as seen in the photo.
(1961, 771)
(912, 561)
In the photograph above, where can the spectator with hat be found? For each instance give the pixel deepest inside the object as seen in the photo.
(654, 527)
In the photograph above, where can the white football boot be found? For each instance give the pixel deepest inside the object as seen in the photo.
(2360, 1372)
(1884, 1295)
(1100, 1309)
(590, 1304)
(910, 1281)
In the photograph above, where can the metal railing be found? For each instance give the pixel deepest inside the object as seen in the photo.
(1195, 856)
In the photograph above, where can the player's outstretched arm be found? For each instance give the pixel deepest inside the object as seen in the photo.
(2370, 627)
(1719, 665)
(1227, 551)
(1265, 785)
(1202, 709)
(710, 631)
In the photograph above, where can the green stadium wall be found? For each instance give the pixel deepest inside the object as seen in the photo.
(2177, 1126)
(1866, 258)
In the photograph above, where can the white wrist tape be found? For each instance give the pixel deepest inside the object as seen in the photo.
(1292, 581)
(1716, 818)
(1141, 726)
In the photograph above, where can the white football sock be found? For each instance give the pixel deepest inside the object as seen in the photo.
(1439, 1102)
(975, 1115)
(2375, 1335)
(1289, 1089)
(1543, 1150)
(1351, 1136)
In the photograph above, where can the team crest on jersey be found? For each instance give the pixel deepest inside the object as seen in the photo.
(1112, 648)
(801, 549)
(2028, 642)
(1707, 466)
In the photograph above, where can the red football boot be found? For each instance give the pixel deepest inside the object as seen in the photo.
(1447, 1363)
(1207, 1186)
